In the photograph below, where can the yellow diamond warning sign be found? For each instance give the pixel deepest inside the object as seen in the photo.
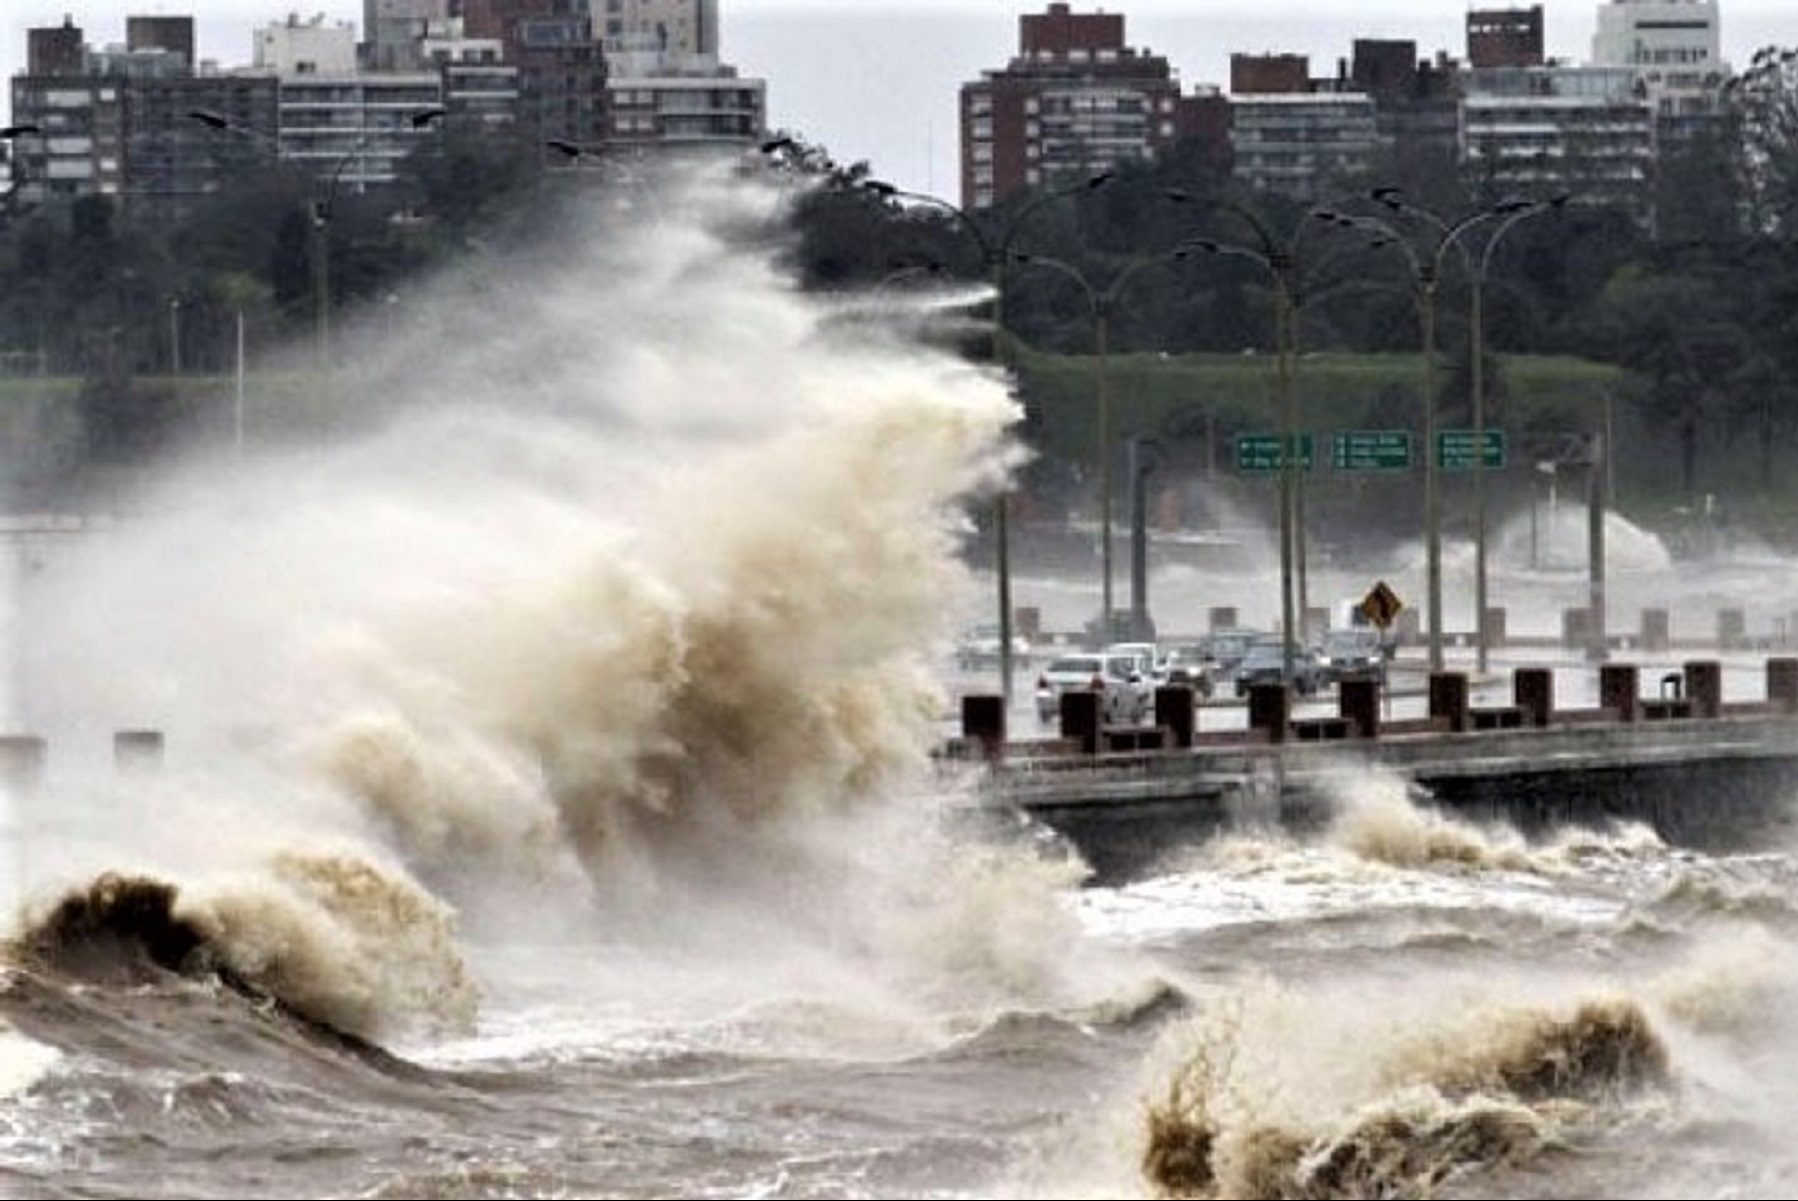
(1381, 605)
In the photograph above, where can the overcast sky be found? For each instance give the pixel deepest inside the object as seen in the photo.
(877, 79)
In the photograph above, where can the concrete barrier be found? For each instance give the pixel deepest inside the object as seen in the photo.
(22, 758)
(1448, 699)
(1176, 713)
(1657, 630)
(982, 722)
(1620, 690)
(1270, 710)
(1704, 687)
(1080, 717)
(1533, 691)
(1359, 701)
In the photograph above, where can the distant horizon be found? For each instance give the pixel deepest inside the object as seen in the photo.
(873, 81)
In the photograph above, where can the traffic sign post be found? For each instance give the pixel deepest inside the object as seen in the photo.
(1371, 450)
(1261, 452)
(1456, 450)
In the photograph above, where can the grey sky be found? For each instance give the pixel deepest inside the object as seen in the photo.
(877, 79)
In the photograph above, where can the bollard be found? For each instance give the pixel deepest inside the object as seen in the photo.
(1576, 628)
(1656, 630)
(1704, 687)
(1782, 684)
(982, 721)
(1176, 712)
(1270, 709)
(1223, 617)
(1732, 629)
(1359, 701)
(1410, 627)
(1620, 688)
(1533, 691)
(22, 762)
(1448, 699)
(1498, 622)
(1080, 717)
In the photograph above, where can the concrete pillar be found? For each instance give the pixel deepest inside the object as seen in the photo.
(1223, 617)
(1656, 630)
(1080, 709)
(982, 721)
(1448, 699)
(1498, 622)
(1028, 622)
(1410, 627)
(22, 762)
(1704, 687)
(1576, 628)
(1782, 684)
(1533, 691)
(1174, 710)
(1270, 709)
(1620, 688)
(1359, 701)
(1732, 629)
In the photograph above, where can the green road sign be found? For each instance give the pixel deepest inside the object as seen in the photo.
(1455, 450)
(1371, 450)
(1261, 452)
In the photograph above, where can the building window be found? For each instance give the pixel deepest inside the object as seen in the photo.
(983, 128)
(1033, 177)
(983, 152)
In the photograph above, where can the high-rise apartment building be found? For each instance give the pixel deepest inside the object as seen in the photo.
(561, 70)
(667, 85)
(1675, 49)
(1075, 100)
(393, 29)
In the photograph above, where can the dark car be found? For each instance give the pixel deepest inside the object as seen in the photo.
(1354, 653)
(1266, 664)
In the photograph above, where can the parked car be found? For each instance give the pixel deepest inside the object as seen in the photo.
(1354, 652)
(1128, 694)
(979, 647)
(1266, 664)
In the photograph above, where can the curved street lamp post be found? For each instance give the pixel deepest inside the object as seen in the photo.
(1101, 305)
(995, 253)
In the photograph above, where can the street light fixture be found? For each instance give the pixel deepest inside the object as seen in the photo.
(1281, 259)
(1508, 213)
(994, 254)
(1101, 305)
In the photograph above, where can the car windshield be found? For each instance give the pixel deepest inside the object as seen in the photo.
(1077, 664)
(1345, 642)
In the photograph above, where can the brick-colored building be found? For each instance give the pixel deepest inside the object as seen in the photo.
(1505, 37)
(1076, 100)
(1269, 74)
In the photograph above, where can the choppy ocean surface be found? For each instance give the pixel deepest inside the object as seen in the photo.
(547, 811)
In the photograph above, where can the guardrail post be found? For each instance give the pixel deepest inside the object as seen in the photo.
(1657, 630)
(1080, 717)
(1782, 684)
(1174, 710)
(982, 721)
(1704, 687)
(1270, 709)
(1448, 699)
(1620, 688)
(1533, 691)
(1359, 701)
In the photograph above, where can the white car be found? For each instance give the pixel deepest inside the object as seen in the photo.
(1128, 693)
(979, 647)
